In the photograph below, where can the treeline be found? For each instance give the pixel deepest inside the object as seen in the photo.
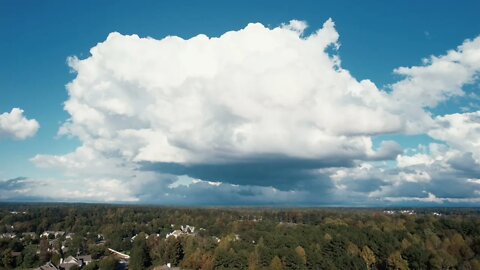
(248, 238)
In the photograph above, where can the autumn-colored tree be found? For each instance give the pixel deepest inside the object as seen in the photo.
(276, 264)
(193, 261)
(396, 262)
(368, 257)
(327, 237)
(208, 262)
(301, 253)
(253, 261)
(352, 249)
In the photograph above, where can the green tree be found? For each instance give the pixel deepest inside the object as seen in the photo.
(56, 258)
(174, 251)
(108, 263)
(44, 255)
(30, 257)
(91, 266)
(416, 256)
(96, 251)
(140, 258)
(7, 259)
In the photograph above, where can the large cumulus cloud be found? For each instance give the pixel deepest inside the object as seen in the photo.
(256, 108)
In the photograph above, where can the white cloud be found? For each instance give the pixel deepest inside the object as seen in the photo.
(461, 131)
(246, 93)
(441, 77)
(414, 160)
(256, 93)
(15, 125)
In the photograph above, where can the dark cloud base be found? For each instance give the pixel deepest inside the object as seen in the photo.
(282, 173)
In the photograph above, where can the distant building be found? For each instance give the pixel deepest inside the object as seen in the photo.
(31, 234)
(55, 234)
(184, 230)
(8, 235)
(175, 233)
(69, 236)
(47, 266)
(85, 259)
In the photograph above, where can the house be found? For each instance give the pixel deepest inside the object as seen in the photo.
(68, 263)
(47, 266)
(46, 234)
(175, 233)
(185, 230)
(30, 234)
(85, 259)
(8, 235)
(154, 235)
(69, 236)
(56, 234)
(167, 266)
(79, 261)
(135, 236)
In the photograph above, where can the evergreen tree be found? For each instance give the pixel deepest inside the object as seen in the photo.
(108, 263)
(30, 257)
(7, 259)
(44, 255)
(140, 258)
(174, 251)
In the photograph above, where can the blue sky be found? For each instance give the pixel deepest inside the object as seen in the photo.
(375, 38)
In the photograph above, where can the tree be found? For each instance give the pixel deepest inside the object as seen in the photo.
(396, 262)
(30, 257)
(416, 256)
(91, 266)
(194, 261)
(44, 255)
(139, 259)
(301, 253)
(7, 259)
(368, 257)
(174, 251)
(96, 251)
(56, 258)
(353, 249)
(253, 261)
(276, 264)
(108, 263)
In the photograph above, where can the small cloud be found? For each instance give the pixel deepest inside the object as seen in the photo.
(14, 125)
(427, 34)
